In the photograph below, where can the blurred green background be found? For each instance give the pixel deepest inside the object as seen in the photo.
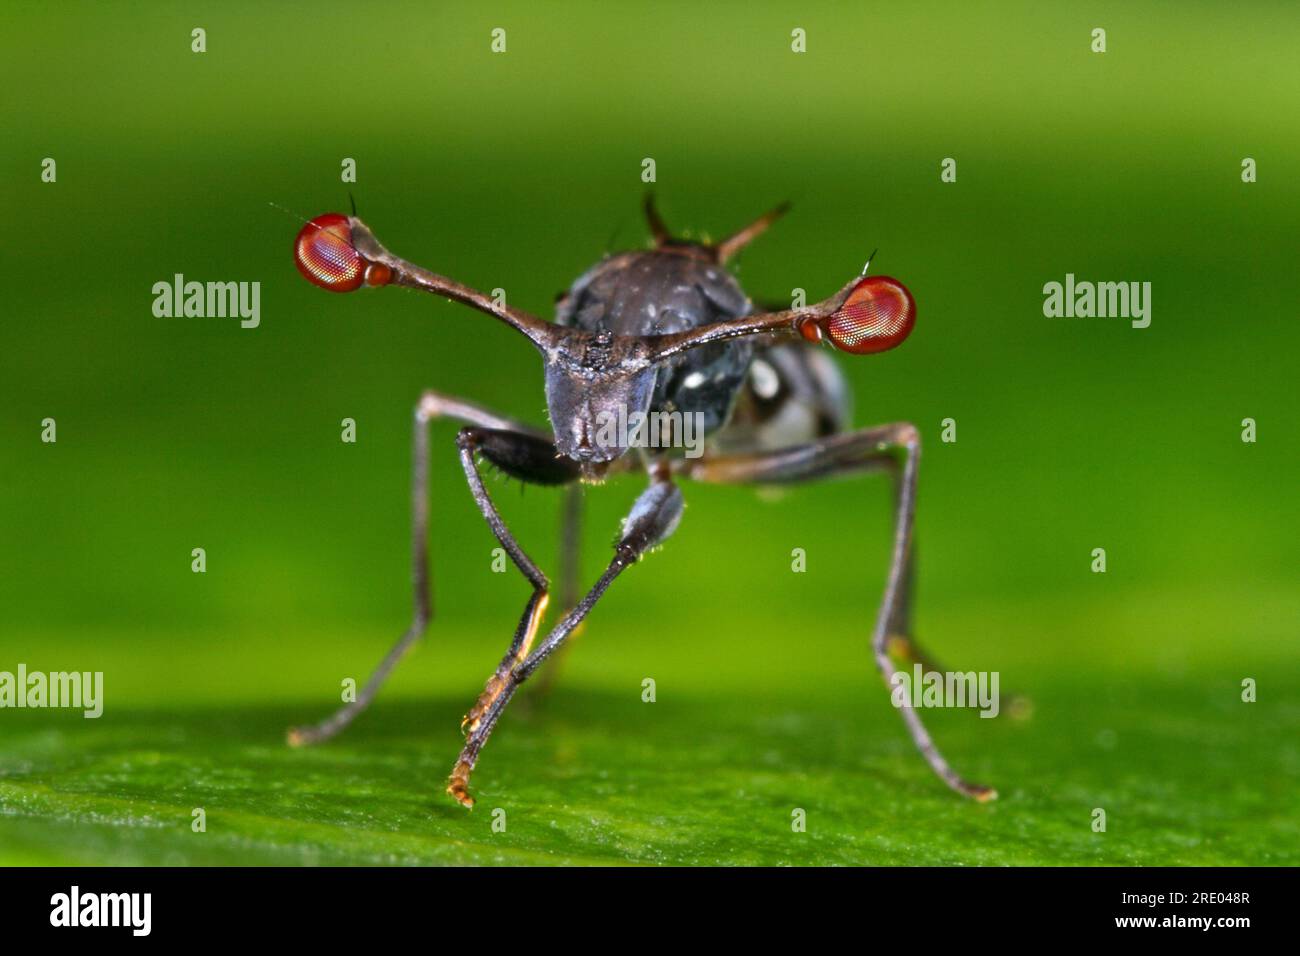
(514, 170)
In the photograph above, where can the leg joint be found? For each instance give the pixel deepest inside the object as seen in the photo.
(908, 436)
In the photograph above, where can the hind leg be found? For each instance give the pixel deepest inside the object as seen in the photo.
(861, 451)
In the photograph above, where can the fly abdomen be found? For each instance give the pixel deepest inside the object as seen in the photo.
(794, 393)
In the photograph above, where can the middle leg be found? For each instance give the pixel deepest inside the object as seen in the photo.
(570, 567)
(432, 405)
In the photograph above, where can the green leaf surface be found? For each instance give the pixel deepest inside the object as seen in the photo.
(592, 774)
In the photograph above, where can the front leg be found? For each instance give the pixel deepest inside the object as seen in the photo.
(530, 459)
(652, 519)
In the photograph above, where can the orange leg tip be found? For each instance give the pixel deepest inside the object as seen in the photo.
(458, 786)
(295, 737)
(491, 692)
(983, 794)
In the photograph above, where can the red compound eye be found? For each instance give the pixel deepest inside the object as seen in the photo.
(877, 315)
(324, 255)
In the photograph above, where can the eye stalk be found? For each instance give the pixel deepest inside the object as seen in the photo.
(325, 255)
(877, 315)
(340, 254)
(870, 314)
